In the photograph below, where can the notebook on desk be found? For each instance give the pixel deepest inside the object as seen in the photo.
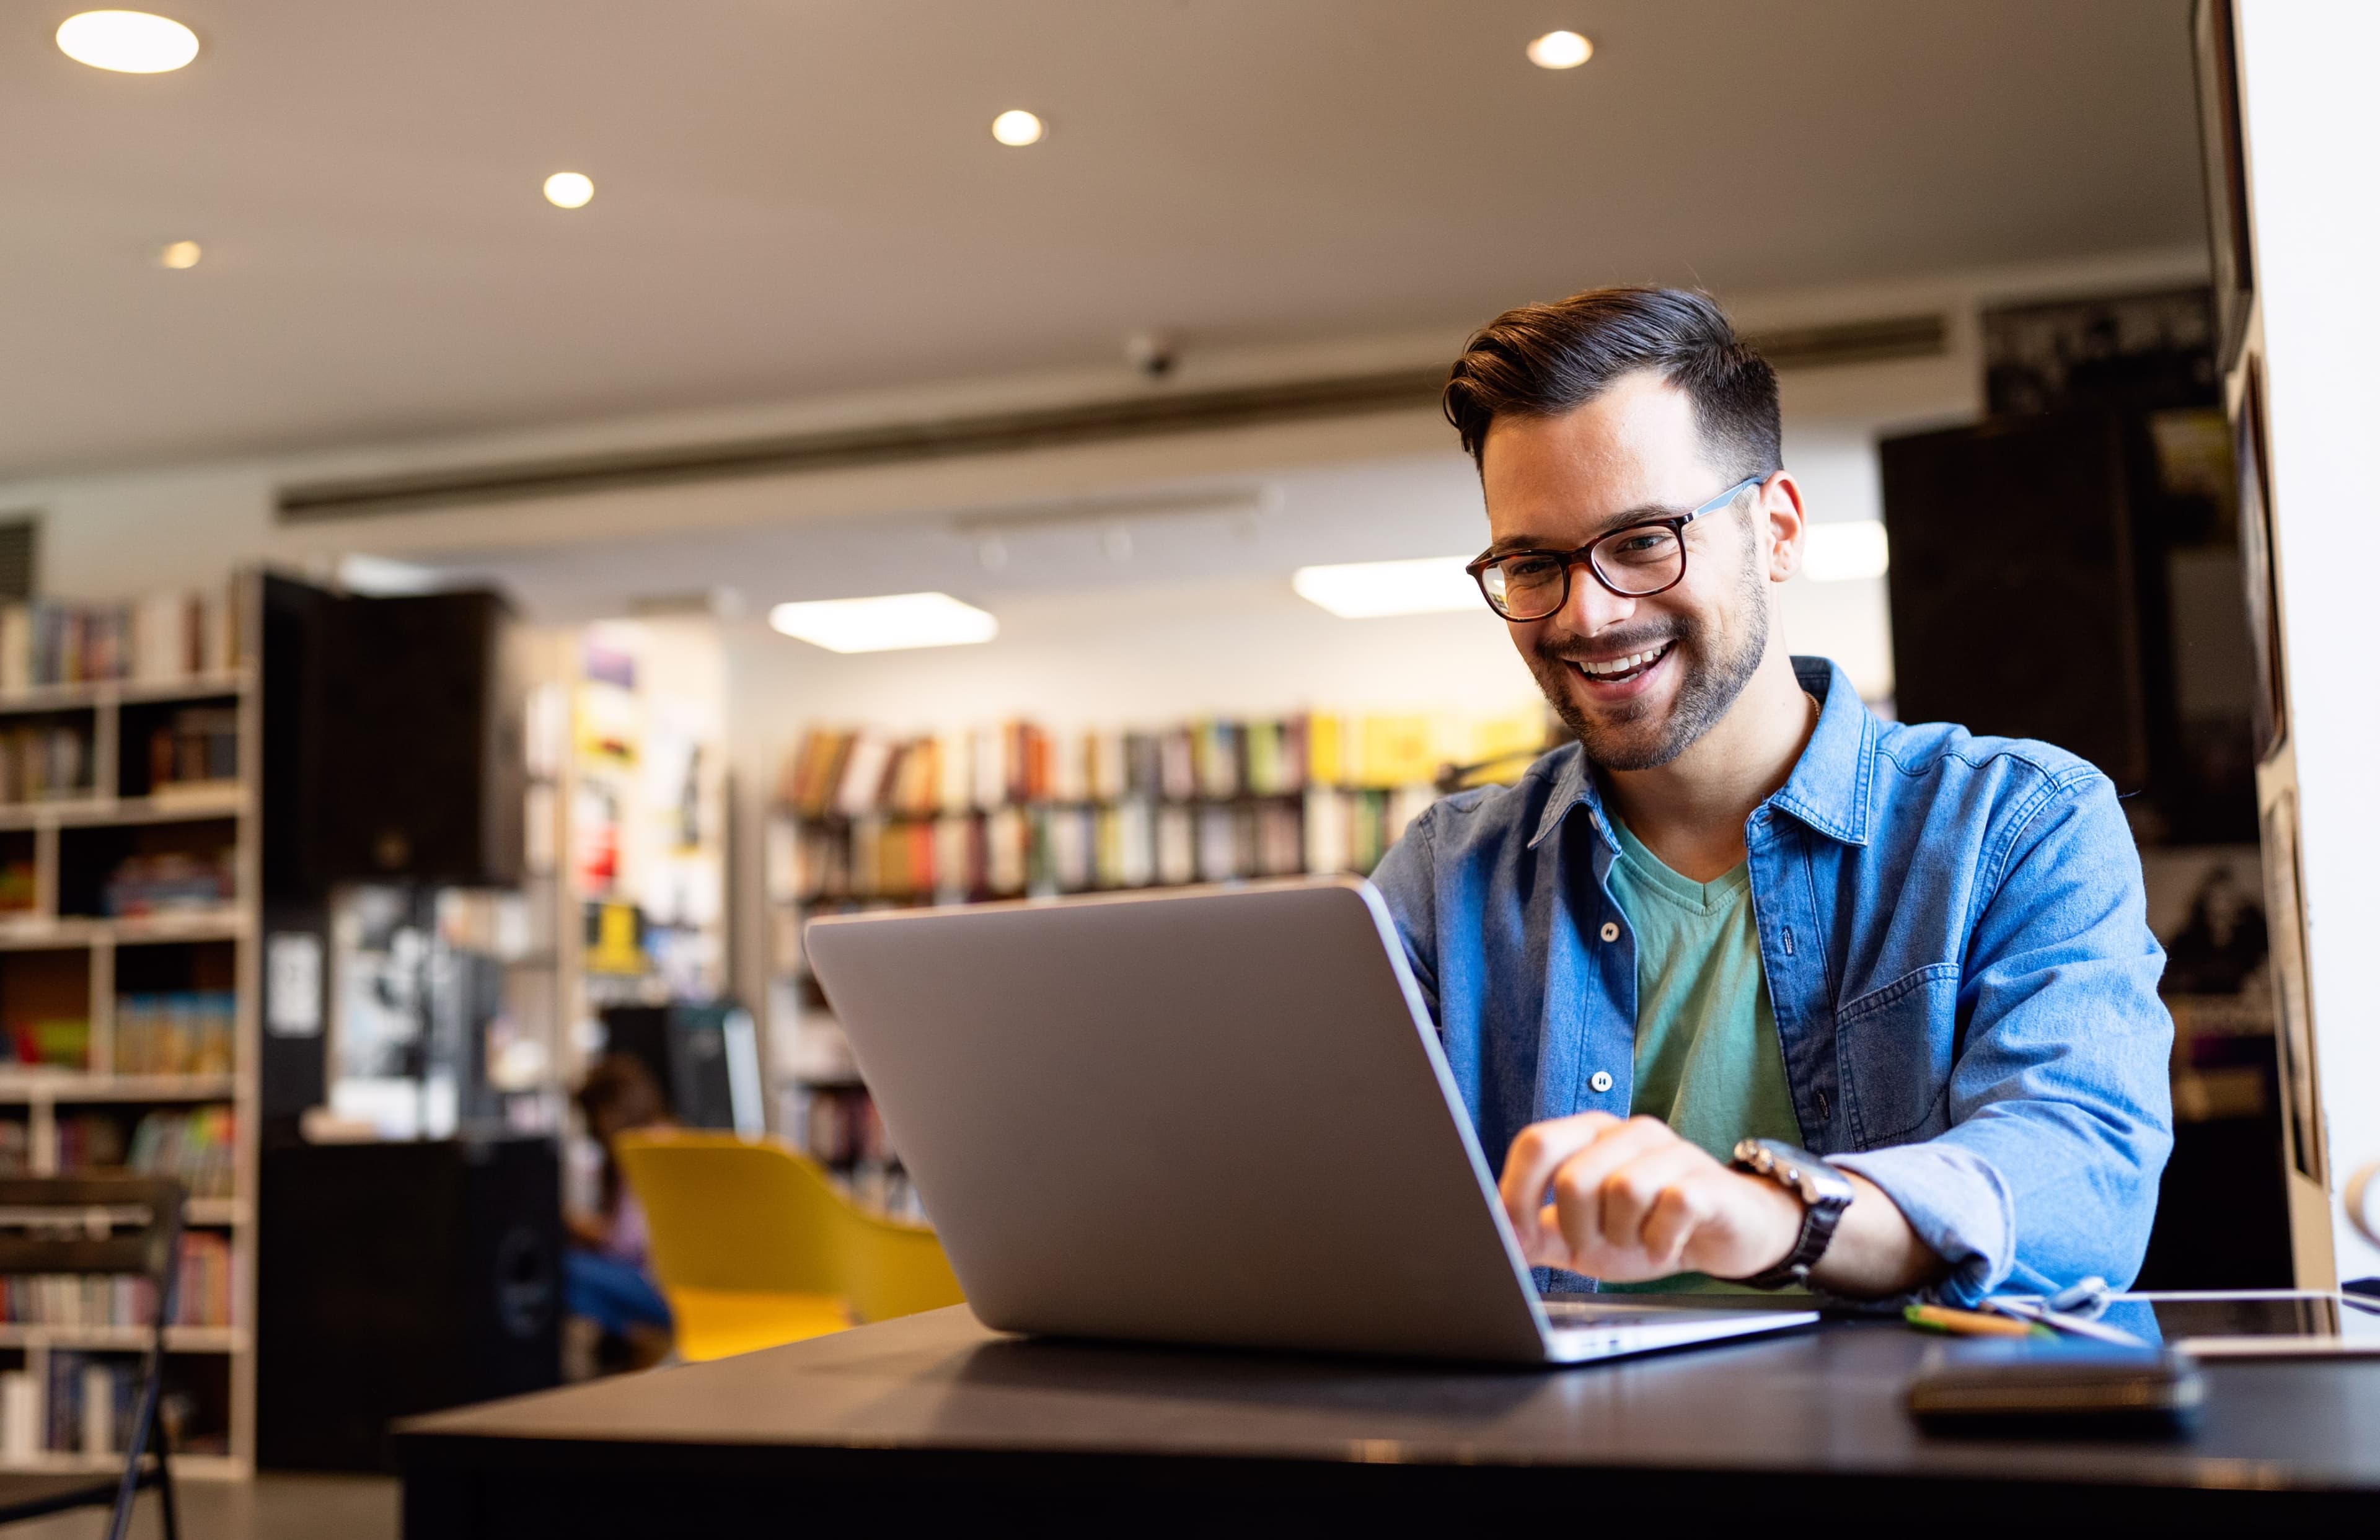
(1217, 1116)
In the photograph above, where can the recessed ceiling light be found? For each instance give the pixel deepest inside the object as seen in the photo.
(1365, 590)
(885, 623)
(1560, 50)
(568, 190)
(130, 42)
(1016, 128)
(180, 254)
(1845, 552)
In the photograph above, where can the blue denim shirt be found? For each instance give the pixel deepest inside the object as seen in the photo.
(1954, 937)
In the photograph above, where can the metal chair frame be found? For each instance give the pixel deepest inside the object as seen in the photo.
(103, 1226)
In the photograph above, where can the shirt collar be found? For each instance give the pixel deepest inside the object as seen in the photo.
(1828, 789)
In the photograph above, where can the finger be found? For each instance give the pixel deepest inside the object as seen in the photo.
(1631, 1192)
(1577, 1186)
(1683, 1208)
(1536, 1153)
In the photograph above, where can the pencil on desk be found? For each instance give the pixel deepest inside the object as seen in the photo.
(1968, 1323)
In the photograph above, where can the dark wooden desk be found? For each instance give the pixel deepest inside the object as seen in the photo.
(933, 1420)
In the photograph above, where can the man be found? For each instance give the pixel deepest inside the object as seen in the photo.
(1755, 987)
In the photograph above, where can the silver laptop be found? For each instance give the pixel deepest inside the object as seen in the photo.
(1209, 1116)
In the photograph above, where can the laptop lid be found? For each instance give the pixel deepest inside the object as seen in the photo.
(1212, 1116)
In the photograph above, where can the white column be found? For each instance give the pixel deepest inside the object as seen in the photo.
(2313, 180)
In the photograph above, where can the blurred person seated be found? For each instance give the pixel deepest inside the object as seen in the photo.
(606, 1280)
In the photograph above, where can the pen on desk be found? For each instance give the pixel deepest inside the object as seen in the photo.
(1967, 1323)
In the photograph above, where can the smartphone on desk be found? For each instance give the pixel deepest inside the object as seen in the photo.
(2025, 1387)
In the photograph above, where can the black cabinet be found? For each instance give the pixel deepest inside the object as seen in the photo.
(401, 1277)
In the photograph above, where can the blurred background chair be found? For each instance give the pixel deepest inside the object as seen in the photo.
(755, 1246)
(115, 1227)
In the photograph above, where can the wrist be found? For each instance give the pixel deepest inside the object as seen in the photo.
(1779, 1227)
(1806, 1182)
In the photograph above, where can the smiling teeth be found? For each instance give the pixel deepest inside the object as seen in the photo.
(1622, 665)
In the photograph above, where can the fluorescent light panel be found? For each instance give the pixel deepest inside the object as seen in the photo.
(885, 623)
(1845, 552)
(1366, 590)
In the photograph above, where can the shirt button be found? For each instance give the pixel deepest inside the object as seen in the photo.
(1599, 1081)
(1611, 931)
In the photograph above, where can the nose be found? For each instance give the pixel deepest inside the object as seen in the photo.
(1591, 607)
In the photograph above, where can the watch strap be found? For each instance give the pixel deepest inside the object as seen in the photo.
(1824, 1195)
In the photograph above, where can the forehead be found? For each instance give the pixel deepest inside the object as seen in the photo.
(1636, 445)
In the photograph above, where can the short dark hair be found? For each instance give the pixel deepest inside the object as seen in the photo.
(1543, 361)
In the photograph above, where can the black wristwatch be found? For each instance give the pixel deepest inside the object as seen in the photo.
(1824, 1194)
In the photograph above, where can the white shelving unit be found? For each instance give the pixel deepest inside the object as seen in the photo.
(57, 924)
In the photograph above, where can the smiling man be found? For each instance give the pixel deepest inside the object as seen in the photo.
(1754, 988)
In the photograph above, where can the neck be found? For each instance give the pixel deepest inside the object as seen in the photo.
(1691, 811)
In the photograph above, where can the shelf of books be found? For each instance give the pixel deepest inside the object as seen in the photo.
(128, 858)
(868, 819)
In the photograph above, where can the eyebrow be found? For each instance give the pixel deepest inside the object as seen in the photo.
(1642, 513)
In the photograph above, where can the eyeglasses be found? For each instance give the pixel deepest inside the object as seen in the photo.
(1633, 562)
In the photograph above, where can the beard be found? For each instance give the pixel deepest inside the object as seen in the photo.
(1639, 734)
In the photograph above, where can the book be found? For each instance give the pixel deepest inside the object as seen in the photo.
(1218, 857)
(1177, 849)
(1107, 766)
(1326, 763)
(1177, 766)
(1136, 838)
(1007, 837)
(16, 648)
(955, 791)
(1144, 775)
(21, 1416)
(1281, 845)
(1069, 762)
(1071, 831)
(1397, 750)
(1216, 751)
(957, 864)
(1268, 776)
(861, 781)
(1325, 830)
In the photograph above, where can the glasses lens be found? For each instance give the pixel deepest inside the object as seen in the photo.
(1642, 560)
(1525, 586)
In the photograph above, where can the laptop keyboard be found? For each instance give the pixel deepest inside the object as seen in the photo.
(1576, 1313)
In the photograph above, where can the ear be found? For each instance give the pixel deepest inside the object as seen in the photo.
(1780, 523)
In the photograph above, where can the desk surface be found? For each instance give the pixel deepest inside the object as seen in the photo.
(937, 1397)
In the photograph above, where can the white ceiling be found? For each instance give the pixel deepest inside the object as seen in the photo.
(794, 195)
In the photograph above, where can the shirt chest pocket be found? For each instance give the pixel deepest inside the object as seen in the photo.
(1894, 1046)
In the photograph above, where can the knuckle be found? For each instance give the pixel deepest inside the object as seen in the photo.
(1625, 1186)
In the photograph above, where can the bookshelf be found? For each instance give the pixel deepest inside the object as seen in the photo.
(128, 981)
(628, 795)
(865, 819)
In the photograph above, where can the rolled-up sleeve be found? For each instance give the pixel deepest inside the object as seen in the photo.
(2061, 1104)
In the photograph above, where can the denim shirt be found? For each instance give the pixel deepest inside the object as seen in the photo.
(1954, 937)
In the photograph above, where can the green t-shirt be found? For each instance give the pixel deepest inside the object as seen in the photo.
(1707, 1059)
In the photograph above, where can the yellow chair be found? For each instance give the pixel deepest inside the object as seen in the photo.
(754, 1247)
